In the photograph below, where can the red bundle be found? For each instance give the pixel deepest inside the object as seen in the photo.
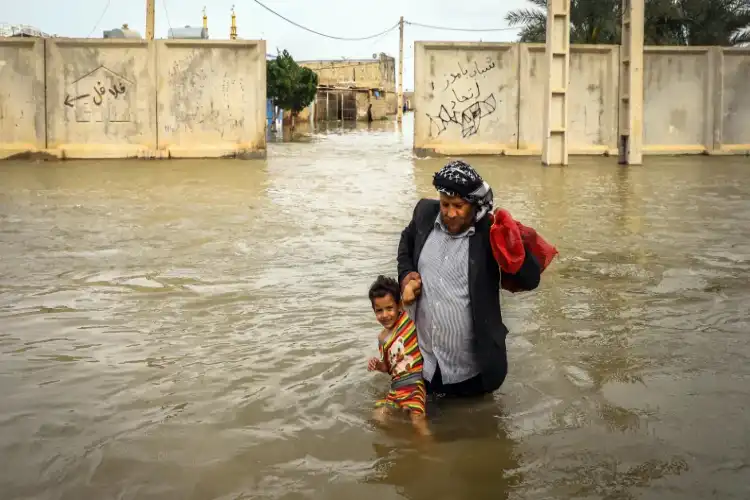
(507, 237)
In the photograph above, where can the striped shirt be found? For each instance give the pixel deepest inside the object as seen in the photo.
(443, 311)
(400, 353)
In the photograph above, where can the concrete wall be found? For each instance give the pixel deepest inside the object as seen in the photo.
(592, 108)
(467, 97)
(101, 101)
(677, 100)
(211, 97)
(22, 120)
(733, 108)
(696, 99)
(119, 98)
(409, 100)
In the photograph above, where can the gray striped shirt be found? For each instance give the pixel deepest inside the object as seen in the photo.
(443, 312)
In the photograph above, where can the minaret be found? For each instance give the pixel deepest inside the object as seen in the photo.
(205, 22)
(233, 31)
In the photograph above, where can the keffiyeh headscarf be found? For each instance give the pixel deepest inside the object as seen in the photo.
(458, 178)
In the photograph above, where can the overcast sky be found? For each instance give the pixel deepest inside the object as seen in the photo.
(344, 18)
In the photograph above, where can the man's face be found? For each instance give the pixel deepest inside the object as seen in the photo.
(457, 213)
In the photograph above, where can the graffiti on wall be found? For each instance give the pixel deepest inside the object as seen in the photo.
(99, 95)
(461, 100)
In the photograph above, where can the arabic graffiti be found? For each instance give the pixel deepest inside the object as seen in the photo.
(464, 104)
(100, 91)
(469, 118)
(464, 98)
(101, 96)
(464, 73)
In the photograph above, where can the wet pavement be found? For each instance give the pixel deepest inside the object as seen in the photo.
(200, 330)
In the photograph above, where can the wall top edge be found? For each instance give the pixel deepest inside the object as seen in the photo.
(20, 41)
(736, 50)
(142, 42)
(581, 47)
(467, 45)
(212, 43)
(98, 42)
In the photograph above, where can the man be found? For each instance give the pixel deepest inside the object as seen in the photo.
(446, 247)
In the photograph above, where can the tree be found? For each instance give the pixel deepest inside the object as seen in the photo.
(716, 22)
(290, 86)
(666, 22)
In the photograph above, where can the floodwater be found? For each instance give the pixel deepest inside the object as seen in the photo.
(200, 330)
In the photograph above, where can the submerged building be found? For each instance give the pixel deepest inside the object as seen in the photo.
(355, 89)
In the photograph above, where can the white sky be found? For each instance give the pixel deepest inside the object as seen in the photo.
(345, 18)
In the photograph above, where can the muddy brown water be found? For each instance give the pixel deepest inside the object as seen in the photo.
(200, 330)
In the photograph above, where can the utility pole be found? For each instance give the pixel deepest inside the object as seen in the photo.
(555, 120)
(150, 19)
(401, 69)
(630, 145)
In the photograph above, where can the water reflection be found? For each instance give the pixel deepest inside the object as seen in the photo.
(472, 456)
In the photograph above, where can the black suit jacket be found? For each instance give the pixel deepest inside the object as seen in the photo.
(484, 286)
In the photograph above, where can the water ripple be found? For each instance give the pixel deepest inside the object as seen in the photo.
(201, 330)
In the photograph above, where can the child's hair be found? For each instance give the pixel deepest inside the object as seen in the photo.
(384, 286)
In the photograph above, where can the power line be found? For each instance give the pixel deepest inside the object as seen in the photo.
(106, 8)
(166, 12)
(384, 32)
(323, 34)
(457, 29)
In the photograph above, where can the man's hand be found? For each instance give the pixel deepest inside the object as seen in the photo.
(412, 288)
(375, 365)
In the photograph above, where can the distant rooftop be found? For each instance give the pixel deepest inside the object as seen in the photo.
(189, 32)
(123, 32)
(375, 58)
(23, 30)
(336, 62)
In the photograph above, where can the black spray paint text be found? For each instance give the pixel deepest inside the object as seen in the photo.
(100, 92)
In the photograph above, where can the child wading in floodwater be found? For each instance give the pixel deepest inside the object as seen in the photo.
(400, 356)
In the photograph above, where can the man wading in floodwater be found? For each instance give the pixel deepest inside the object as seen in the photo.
(446, 247)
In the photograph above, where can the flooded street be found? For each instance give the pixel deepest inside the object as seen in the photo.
(200, 330)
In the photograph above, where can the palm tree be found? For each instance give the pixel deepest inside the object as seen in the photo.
(666, 22)
(591, 21)
(716, 22)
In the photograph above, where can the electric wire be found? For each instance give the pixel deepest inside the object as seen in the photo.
(106, 8)
(269, 9)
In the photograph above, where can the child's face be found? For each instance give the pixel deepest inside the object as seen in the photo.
(386, 310)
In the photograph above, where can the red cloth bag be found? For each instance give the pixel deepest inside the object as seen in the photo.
(507, 238)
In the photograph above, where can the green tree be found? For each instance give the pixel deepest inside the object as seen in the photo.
(290, 86)
(666, 22)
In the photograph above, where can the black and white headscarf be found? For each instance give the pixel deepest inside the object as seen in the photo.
(458, 178)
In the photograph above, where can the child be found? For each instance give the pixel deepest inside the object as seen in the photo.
(399, 355)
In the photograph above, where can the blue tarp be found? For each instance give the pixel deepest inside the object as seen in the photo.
(269, 111)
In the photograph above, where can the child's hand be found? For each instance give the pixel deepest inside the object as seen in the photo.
(412, 291)
(374, 365)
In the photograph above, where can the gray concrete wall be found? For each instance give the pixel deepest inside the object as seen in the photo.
(211, 98)
(695, 99)
(120, 98)
(22, 120)
(101, 100)
(677, 100)
(467, 97)
(734, 105)
(592, 91)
